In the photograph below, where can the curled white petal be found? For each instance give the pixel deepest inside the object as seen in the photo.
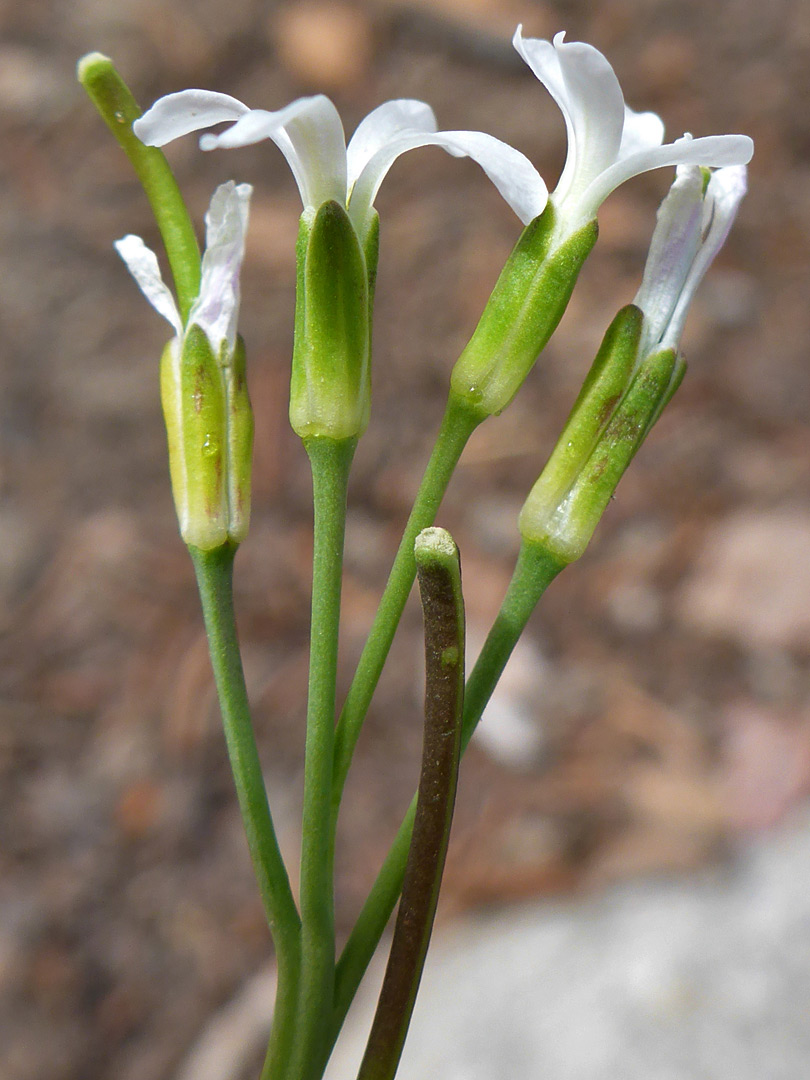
(724, 194)
(673, 249)
(510, 171)
(143, 265)
(251, 127)
(607, 142)
(585, 87)
(380, 127)
(216, 309)
(189, 110)
(309, 134)
(712, 150)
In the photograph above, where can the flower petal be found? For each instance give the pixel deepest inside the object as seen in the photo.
(143, 265)
(380, 127)
(309, 134)
(189, 110)
(724, 194)
(585, 87)
(510, 171)
(641, 131)
(216, 309)
(250, 128)
(714, 150)
(674, 246)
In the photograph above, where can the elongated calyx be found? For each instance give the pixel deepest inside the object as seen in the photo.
(522, 313)
(209, 421)
(330, 388)
(616, 408)
(209, 424)
(638, 367)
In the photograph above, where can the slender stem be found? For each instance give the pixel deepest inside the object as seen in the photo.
(443, 607)
(214, 571)
(113, 99)
(458, 424)
(535, 569)
(330, 460)
(534, 572)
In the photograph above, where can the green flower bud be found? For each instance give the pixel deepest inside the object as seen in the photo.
(599, 440)
(601, 392)
(209, 424)
(638, 368)
(330, 389)
(522, 313)
(203, 387)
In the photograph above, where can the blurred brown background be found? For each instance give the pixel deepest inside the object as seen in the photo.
(663, 704)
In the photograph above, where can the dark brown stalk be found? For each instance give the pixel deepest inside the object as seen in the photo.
(440, 587)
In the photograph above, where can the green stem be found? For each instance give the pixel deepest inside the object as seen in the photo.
(214, 571)
(535, 570)
(330, 460)
(113, 99)
(458, 424)
(443, 606)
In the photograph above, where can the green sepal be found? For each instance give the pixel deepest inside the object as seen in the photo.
(371, 248)
(522, 313)
(193, 399)
(601, 392)
(566, 528)
(675, 381)
(330, 387)
(240, 443)
(170, 401)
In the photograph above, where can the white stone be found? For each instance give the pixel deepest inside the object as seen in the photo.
(706, 978)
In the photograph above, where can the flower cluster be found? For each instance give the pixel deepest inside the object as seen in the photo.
(210, 426)
(608, 143)
(309, 133)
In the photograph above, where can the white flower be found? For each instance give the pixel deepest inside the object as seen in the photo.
(310, 135)
(692, 226)
(216, 308)
(608, 143)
